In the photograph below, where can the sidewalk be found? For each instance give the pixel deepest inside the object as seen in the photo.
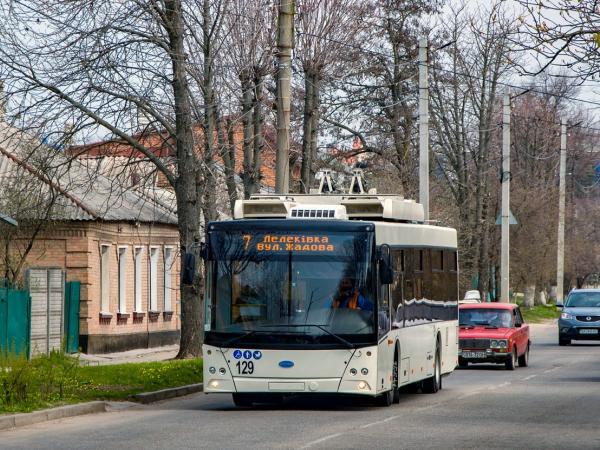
(131, 356)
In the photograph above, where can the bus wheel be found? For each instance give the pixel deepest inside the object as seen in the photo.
(395, 384)
(385, 399)
(433, 384)
(242, 400)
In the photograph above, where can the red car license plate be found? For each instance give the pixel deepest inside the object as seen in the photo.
(467, 354)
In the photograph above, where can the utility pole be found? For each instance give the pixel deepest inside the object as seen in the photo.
(423, 127)
(560, 256)
(505, 252)
(285, 44)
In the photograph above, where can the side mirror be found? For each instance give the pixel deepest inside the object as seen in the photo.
(560, 305)
(203, 251)
(189, 269)
(518, 325)
(386, 271)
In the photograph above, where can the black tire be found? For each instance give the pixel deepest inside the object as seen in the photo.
(411, 388)
(395, 382)
(463, 364)
(563, 341)
(524, 358)
(511, 362)
(385, 399)
(242, 400)
(434, 383)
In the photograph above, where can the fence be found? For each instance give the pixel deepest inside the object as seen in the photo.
(15, 313)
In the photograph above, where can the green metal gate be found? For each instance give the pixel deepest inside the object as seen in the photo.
(15, 317)
(71, 311)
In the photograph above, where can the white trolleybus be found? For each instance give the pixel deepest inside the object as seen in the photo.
(323, 294)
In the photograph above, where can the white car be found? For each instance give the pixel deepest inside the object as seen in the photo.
(471, 297)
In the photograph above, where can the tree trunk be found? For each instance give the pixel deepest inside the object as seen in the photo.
(209, 189)
(186, 192)
(529, 296)
(314, 129)
(541, 298)
(307, 132)
(258, 136)
(227, 146)
(247, 120)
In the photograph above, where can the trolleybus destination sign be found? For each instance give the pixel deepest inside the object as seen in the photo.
(288, 243)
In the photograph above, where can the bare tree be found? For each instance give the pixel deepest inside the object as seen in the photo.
(561, 34)
(326, 34)
(98, 62)
(378, 105)
(250, 49)
(465, 115)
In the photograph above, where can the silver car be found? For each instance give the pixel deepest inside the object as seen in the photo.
(580, 317)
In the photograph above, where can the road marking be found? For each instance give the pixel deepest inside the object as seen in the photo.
(379, 422)
(318, 441)
(552, 370)
(529, 377)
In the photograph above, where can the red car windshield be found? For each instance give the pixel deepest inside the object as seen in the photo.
(472, 317)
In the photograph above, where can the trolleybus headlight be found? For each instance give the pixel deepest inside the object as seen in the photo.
(364, 371)
(212, 370)
(214, 384)
(222, 371)
(353, 372)
(362, 385)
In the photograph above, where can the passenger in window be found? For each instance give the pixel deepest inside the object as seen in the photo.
(348, 296)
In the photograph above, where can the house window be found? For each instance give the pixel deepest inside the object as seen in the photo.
(122, 279)
(153, 274)
(168, 260)
(104, 278)
(138, 278)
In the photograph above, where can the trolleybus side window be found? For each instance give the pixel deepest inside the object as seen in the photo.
(437, 260)
(397, 289)
(452, 263)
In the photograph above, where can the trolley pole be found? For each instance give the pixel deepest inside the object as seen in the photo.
(284, 74)
(560, 256)
(505, 251)
(423, 127)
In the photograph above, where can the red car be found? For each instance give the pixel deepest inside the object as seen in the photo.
(492, 333)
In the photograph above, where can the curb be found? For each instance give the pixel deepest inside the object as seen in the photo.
(8, 422)
(23, 419)
(151, 397)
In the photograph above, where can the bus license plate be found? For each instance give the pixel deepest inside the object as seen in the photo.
(473, 354)
(588, 331)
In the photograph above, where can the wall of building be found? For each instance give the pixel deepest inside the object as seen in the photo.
(77, 247)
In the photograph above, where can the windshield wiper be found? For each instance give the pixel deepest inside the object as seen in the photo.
(320, 327)
(241, 336)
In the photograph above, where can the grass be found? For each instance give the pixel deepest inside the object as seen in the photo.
(58, 379)
(540, 313)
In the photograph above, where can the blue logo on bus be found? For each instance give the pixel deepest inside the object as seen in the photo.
(286, 364)
(237, 354)
(257, 354)
(247, 354)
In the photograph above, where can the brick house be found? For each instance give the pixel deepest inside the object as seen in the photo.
(122, 244)
(114, 159)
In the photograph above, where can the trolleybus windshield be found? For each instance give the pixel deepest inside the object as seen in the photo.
(310, 288)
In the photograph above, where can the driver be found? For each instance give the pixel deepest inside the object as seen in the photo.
(348, 296)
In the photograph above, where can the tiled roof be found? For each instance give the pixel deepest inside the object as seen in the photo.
(81, 192)
(161, 146)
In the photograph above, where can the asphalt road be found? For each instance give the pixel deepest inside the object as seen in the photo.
(554, 403)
